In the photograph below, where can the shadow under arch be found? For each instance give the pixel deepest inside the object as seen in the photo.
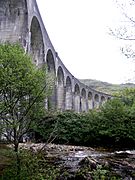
(68, 96)
(102, 100)
(36, 42)
(83, 101)
(60, 89)
(50, 62)
(77, 102)
(90, 100)
(96, 99)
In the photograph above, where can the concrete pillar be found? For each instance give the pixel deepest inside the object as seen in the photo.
(77, 103)
(84, 105)
(60, 97)
(68, 100)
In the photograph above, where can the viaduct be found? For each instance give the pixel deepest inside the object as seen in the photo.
(20, 21)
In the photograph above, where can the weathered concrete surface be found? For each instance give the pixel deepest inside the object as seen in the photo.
(20, 21)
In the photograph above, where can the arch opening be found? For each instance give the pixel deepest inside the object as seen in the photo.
(83, 93)
(77, 89)
(96, 97)
(90, 96)
(77, 101)
(83, 101)
(60, 89)
(51, 71)
(36, 42)
(50, 62)
(68, 99)
(102, 99)
(90, 102)
(68, 84)
(60, 76)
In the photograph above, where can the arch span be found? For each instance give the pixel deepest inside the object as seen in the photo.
(36, 42)
(83, 100)
(60, 88)
(77, 102)
(68, 98)
(90, 100)
(96, 99)
(102, 100)
(50, 62)
(52, 73)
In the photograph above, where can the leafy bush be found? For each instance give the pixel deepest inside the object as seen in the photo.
(32, 166)
(112, 125)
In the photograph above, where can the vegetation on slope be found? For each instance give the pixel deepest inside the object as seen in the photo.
(106, 87)
(110, 126)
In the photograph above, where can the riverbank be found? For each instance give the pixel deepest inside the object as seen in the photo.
(79, 162)
(73, 158)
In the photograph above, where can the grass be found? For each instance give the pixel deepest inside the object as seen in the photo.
(6, 157)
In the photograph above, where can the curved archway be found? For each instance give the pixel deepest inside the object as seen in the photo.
(102, 100)
(83, 93)
(83, 100)
(60, 76)
(60, 88)
(96, 99)
(90, 103)
(77, 89)
(68, 98)
(51, 71)
(50, 62)
(36, 42)
(77, 102)
(14, 21)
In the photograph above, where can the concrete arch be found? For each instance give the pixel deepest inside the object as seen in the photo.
(60, 88)
(36, 42)
(68, 97)
(102, 100)
(83, 93)
(60, 76)
(77, 90)
(96, 100)
(83, 101)
(90, 100)
(14, 21)
(77, 102)
(50, 62)
(52, 73)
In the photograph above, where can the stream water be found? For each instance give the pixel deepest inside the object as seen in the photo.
(72, 158)
(121, 162)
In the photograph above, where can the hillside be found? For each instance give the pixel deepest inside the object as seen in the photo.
(106, 87)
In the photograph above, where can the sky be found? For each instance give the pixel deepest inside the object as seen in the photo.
(79, 32)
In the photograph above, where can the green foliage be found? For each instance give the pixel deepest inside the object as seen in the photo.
(32, 166)
(113, 124)
(23, 89)
(106, 87)
(101, 173)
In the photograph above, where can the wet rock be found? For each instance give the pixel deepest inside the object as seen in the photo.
(74, 158)
(89, 162)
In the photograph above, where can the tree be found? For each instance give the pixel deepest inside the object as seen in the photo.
(126, 28)
(23, 89)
